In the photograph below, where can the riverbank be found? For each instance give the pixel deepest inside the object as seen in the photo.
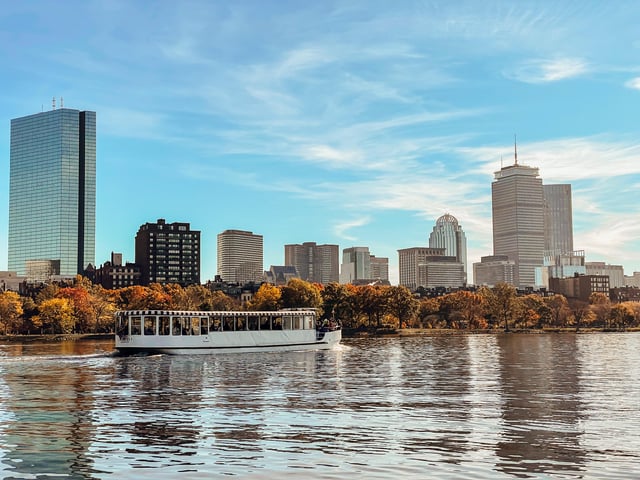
(54, 338)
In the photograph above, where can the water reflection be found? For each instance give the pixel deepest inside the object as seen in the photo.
(541, 406)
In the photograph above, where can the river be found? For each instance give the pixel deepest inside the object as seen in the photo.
(449, 406)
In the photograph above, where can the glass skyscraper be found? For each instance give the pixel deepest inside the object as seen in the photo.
(448, 234)
(52, 190)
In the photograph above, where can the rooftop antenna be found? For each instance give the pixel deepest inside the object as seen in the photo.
(61, 102)
(501, 165)
(515, 147)
(53, 103)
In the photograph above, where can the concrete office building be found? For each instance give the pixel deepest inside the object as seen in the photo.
(356, 264)
(558, 220)
(429, 268)
(494, 269)
(52, 191)
(314, 263)
(614, 272)
(240, 257)
(168, 253)
(448, 234)
(518, 220)
(379, 268)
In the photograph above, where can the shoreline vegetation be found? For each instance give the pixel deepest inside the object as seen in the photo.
(347, 333)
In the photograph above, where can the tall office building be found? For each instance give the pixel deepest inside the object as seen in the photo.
(379, 268)
(356, 264)
(448, 234)
(168, 253)
(314, 263)
(518, 220)
(429, 268)
(558, 220)
(52, 191)
(240, 257)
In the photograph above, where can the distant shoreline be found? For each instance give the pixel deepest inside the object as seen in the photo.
(347, 333)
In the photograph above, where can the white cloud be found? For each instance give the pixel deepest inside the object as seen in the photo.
(634, 83)
(340, 229)
(548, 70)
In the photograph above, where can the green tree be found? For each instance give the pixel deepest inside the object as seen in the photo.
(300, 294)
(267, 298)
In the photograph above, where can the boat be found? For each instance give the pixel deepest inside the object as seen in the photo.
(177, 332)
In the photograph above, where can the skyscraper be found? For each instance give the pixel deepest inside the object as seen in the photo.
(518, 220)
(52, 190)
(314, 263)
(356, 264)
(448, 234)
(240, 256)
(558, 220)
(168, 253)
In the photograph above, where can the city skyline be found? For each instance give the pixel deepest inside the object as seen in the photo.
(362, 128)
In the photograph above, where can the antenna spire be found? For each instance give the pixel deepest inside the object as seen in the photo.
(515, 147)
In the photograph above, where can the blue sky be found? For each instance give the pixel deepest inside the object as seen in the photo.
(349, 122)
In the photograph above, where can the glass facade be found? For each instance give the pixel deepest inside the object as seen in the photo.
(52, 190)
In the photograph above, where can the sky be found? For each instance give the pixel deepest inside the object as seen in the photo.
(355, 123)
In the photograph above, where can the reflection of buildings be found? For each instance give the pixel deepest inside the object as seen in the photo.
(540, 383)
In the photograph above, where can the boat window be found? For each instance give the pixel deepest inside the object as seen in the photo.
(164, 326)
(215, 324)
(297, 323)
(253, 322)
(287, 323)
(122, 326)
(308, 322)
(186, 325)
(195, 325)
(265, 323)
(136, 326)
(150, 325)
(176, 326)
(241, 323)
(229, 324)
(277, 323)
(204, 326)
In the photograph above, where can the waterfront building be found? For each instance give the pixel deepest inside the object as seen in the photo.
(379, 268)
(356, 264)
(558, 220)
(52, 191)
(580, 287)
(494, 269)
(168, 253)
(113, 274)
(614, 272)
(448, 234)
(240, 257)
(429, 268)
(518, 220)
(314, 263)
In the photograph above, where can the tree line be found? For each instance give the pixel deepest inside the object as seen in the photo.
(87, 308)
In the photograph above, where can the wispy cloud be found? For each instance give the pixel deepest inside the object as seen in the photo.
(341, 229)
(548, 70)
(634, 83)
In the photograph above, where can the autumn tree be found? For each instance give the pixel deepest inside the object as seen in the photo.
(559, 308)
(402, 304)
(469, 306)
(267, 298)
(300, 294)
(621, 315)
(220, 301)
(55, 315)
(501, 303)
(79, 299)
(427, 310)
(372, 302)
(10, 311)
(601, 308)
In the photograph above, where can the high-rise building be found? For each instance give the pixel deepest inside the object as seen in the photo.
(52, 190)
(356, 264)
(240, 257)
(314, 263)
(494, 269)
(448, 234)
(168, 253)
(518, 220)
(429, 268)
(558, 220)
(379, 268)
(614, 272)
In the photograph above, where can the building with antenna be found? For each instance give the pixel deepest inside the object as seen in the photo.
(52, 191)
(517, 203)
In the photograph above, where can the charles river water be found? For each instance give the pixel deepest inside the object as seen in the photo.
(447, 406)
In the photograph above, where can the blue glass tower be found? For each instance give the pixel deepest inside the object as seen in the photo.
(52, 190)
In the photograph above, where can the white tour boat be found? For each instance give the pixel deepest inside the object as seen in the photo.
(184, 332)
